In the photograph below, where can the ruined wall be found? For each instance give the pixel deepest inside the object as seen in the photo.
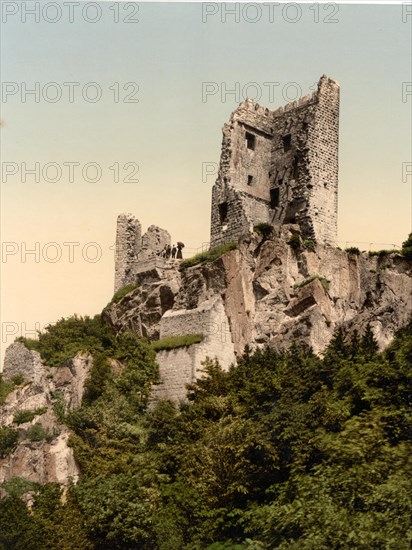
(280, 167)
(242, 210)
(182, 366)
(176, 371)
(136, 253)
(128, 245)
(323, 143)
(251, 138)
(290, 167)
(241, 192)
(153, 242)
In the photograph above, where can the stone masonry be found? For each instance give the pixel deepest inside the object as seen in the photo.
(280, 167)
(136, 253)
(182, 366)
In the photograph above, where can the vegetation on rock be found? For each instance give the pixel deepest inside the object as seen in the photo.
(265, 230)
(208, 256)
(324, 282)
(26, 415)
(61, 341)
(295, 242)
(8, 441)
(8, 386)
(122, 292)
(353, 250)
(383, 253)
(407, 247)
(37, 433)
(309, 245)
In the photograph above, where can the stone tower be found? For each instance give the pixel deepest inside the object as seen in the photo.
(280, 167)
(128, 246)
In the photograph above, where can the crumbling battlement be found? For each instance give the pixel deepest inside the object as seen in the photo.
(136, 253)
(280, 167)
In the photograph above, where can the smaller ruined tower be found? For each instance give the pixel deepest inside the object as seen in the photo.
(280, 167)
(136, 253)
(128, 246)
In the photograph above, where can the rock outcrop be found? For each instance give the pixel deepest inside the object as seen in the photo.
(271, 294)
(141, 310)
(42, 454)
(265, 292)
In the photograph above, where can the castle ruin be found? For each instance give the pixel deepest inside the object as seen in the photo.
(280, 167)
(277, 167)
(137, 253)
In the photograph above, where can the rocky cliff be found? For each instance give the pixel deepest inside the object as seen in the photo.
(272, 292)
(266, 292)
(36, 406)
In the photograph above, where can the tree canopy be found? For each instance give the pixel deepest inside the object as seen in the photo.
(285, 450)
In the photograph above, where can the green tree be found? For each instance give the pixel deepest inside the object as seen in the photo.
(19, 530)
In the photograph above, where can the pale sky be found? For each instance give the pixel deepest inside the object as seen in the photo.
(188, 66)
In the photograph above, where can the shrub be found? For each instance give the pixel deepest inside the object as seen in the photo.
(383, 253)
(21, 417)
(309, 245)
(407, 248)
(8, 441)
(354, 250)
(324, 282)
(18, 380)
(5, 389)
(18, 486)
(172, 342)
(265, 230)
(64, 339)
(294, 242)
(208, 256)
(59, 406)
(37, 433)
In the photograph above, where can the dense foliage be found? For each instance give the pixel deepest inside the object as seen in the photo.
(62, 340)
(287, 450)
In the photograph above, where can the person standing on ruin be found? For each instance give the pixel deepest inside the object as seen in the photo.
(168, 251)
(179, 254)
(174, 250)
